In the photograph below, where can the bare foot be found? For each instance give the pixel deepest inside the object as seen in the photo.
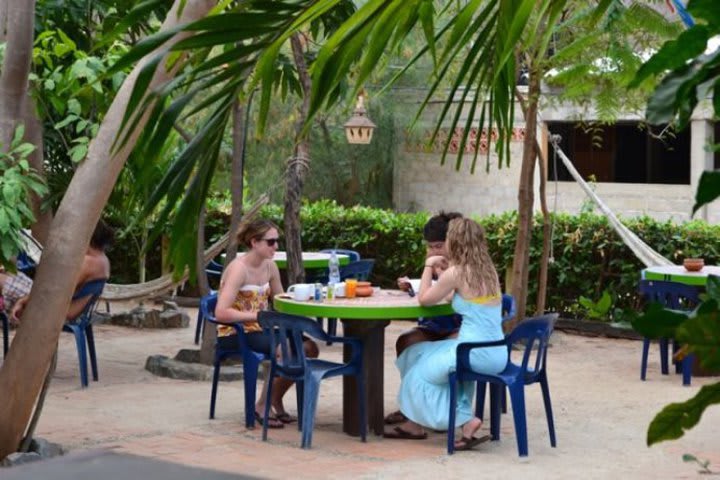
(469, 429)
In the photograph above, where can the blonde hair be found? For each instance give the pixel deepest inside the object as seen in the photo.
(468, 251)
(254, 230)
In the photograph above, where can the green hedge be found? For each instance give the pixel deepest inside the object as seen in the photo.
(589, 257)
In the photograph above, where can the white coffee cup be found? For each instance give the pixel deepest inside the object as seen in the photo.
(339, 289)
(302, 291)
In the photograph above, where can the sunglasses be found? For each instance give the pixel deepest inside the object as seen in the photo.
(270, 241)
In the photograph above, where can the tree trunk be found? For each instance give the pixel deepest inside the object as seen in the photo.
(298, 166)
(23, 371)
(237, 179)
(545, 255)
(19, 23)
(525, 201)
(3, 20)
(34, 134)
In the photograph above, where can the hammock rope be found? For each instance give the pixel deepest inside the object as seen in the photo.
(645, 253)
(157, 286)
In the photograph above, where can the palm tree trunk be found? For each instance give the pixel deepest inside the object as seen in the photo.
(23, 372)
(297, 168)
(521, 259)
(545, 255)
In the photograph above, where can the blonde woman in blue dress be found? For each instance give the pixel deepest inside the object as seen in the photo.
(472, 283)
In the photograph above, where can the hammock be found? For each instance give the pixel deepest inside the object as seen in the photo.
(152, 288)
(642, 250)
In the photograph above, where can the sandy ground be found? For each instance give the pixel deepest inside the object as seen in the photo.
(602, 411)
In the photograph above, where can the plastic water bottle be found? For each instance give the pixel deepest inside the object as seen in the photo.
(334, 269)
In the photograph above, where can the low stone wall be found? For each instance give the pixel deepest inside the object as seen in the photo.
(171, 316)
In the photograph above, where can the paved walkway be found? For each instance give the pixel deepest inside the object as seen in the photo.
(602, 410)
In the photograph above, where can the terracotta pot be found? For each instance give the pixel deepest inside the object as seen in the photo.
(693, 264)
(364, 289)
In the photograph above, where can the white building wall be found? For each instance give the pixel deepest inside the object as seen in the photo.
(422, 183)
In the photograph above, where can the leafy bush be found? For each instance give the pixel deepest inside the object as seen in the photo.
(590, 259)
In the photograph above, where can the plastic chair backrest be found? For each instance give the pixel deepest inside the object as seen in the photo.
(287, 332)
(508, 307)
(92, 289)
(676, 296)
(361, 269)
(207, 307)
(25, 264)
(352, 254)
(534, 334)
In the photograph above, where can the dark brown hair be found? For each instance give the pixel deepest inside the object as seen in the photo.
(254, 230)
(436, 228)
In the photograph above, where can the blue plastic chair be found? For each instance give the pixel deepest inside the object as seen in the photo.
(213, 270)
(251, 361)
(321, 276)
(533, 334)
(509, 309)
(676, 296)
(81, 328)
(25, 264)
(353, 256)
(287, 331)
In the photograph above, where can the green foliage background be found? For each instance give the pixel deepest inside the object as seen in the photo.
(589, 258)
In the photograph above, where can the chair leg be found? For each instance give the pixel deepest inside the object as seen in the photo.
(451, 414)
(480, 399)
(664, 356)
(6, 334)
(310, 397)
(332, 328)
(266, 412)
(495, 408)
(644, 359)
(250, 375)
(687, 364)
(213, 390)
(517, 398)
(548, 409)
(82, 354)
(90, 336)
(199, 326)
(300, 394)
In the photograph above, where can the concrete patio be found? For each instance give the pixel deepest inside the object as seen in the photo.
(602, 411)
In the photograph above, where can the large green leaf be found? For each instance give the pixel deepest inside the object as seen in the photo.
(676, 418)
(708, 188)
(658, 322)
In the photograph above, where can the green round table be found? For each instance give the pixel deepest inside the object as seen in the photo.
(677, 273)
(365, 319)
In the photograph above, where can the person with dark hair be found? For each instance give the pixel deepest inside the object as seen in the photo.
(431, 328)
(247, 287)
(472, 281)
(95, 266)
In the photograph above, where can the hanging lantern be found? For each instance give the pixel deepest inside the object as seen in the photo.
(359, 129)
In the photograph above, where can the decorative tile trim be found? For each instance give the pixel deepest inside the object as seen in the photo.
(422, 145)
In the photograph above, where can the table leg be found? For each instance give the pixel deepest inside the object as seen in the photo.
(372, 335)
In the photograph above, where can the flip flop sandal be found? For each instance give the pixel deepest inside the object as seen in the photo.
(400, 434)
(469, 443)
(285, 417)
(273, 422)
(395, 417)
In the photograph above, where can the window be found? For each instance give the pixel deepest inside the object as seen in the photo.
(625, 152)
